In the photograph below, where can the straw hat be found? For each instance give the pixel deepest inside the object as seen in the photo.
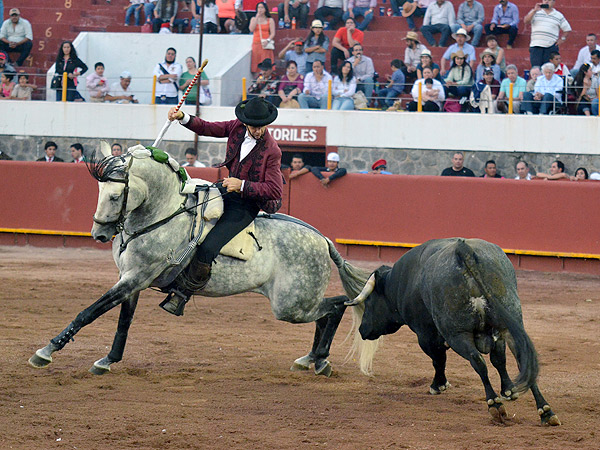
(458, 53)
(408, 9)
(487, 51)
(462, 32)
(411, 35)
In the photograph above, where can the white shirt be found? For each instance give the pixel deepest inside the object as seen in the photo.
(528, 177)
(316, 88)
(196, 164)
(436, 85)
(16, 32)
(545, 28)
(116, 90)
(440, 14)
(584, 57)
(167, 89)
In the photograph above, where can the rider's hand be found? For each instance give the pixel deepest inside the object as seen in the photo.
(232, 184)
(174, 114)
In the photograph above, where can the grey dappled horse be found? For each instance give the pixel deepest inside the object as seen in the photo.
(292, 267)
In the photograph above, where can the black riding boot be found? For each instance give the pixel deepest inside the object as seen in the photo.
(193, 279)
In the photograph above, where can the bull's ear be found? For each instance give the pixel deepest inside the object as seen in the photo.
(380, 278)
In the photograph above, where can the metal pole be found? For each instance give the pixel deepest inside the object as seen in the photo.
(199, 84)
(510, 98)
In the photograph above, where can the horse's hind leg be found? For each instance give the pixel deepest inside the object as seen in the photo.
(102, 366)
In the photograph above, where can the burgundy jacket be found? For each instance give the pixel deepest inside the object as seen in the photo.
(260, 170)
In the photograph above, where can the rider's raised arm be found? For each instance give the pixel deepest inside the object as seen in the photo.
(204, 128)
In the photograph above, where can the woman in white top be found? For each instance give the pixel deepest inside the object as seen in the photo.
(343, 88)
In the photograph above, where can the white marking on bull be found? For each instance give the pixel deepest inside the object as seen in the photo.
(478, 304)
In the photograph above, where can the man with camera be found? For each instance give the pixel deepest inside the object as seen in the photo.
(546, 24)
(120, 92)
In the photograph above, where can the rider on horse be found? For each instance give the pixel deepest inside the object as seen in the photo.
(255, 182)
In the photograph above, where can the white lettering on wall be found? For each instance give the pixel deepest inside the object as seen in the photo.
(294, 134)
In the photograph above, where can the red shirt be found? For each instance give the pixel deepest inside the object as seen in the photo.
(342, 35)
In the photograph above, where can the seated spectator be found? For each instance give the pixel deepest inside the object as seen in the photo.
(432, 93)
(427, 61)
(364, 70)
(534, 73)
(227, 15)
(411, 10)
(211, 17)
(333, 162)
(186, 79)
(316, 45)
(345, 38)
(412, 57)
(135, 9)
(585, 53)
(492, 44)
(294, 9)
(580, 174)
(595, 63)
(165, 12)
(461, 37)
(504, 21)
(298, 167)
(361, 8)
(4, 65)
(119, 90)
(490, 170)
(167, 74)
(7, 85)
(50, 148)
(316, 83)
(519, 88)
(460, 76)
(557, 172)
(77, 153)
(378, 168)
(560, 69)
(96, 84)
(343, 88)
(470, 18)
(149, 7)
(262, 27)
(395, 85)
(523, 171)
(23, 90)
(457, 169)
(16, 36)
(290, 86)
(265, 85)
(191, 158)
(488, 61)
(331, 8)
(485, 93)
(439, 17)
(116, 149)
(586, 89)
(294, 51)
(67, 61)
(547, 92)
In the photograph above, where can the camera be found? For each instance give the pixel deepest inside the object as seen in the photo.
(544, 6)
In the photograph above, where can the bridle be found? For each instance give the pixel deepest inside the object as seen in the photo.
(118, 223)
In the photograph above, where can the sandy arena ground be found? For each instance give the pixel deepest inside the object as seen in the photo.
(219, 378)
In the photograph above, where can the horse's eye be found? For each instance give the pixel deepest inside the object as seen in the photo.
(114, 197)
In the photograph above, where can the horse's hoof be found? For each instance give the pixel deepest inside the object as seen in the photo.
(439, 389)
(302, 363)
(324, 368)
(100, 367)
(39, 359)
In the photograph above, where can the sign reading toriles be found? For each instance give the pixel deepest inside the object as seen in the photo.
(299, 136)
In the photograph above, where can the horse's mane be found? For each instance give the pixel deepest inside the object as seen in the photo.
(106, 168)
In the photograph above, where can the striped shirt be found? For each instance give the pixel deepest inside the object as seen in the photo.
(545, 28)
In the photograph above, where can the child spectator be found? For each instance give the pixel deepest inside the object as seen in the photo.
(492, 44)
(6, 85)
(395, 85)
(343, 88)
(485, 93)
(23, 90)
(96, 84)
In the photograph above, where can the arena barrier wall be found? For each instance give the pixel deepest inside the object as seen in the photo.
(542, 225)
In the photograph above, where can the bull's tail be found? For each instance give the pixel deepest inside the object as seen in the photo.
(353, 278)
(524, 350)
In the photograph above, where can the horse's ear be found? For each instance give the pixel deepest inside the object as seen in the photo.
(105, 149)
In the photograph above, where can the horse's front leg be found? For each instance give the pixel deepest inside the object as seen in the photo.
(120, 292)
(102, 366)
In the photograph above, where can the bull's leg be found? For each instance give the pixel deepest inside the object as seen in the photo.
(498, 359)
(546, 415)
(304, 362)
(115, 295)
(435, 349)
(102, 366)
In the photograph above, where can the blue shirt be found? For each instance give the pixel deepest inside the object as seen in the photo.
(510, 16)
(552, 86)
(467, 49)
(469, 16)
(399, 79)
(519, 86)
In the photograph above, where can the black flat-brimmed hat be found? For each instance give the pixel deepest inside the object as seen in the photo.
(266, 64)
(256, 112)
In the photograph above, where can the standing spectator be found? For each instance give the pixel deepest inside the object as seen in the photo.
(119, 90)
(4, 65)
(427, 61)
(50, 148)
(492, 45)
(96, 84)
(457, 169)
(412, 57)
(297, 166)
(547, 92)
(16, 36)
(546, 24)
(534, 73)
(263, 28)
(266, 83)
(488, 61)
(116, 149)
(504, 21)
(586, 89)
(211, 17)
(343, 88)
(290, 86)
(523, 171)
(135, 8)
(7, 85)
(331, 8)
(490, 170)
(461, 37)
(345, 38)
(333, 167)
(519, 89)
(470, 18)
(560, 69)
(395, 85)
(363, 69)
(294, 9)
(316, 45)
(557, 172)
(77, 153)
(432, 92)
(191, 159)
(294, 51)
(23, 90)
(316, 82)
(411, 9)
(166, 12)
(460, 76)
(186, 79)
(485, 92)
(167, 74)
(585, 53)
(361, 8)
(67, 61)
(440, 16)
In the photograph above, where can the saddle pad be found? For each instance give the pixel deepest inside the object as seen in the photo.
(242, 246)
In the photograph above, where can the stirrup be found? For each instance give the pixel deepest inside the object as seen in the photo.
(175, 302)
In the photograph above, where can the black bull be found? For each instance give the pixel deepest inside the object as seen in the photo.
(459, 294)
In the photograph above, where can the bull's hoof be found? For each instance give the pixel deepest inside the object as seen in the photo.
(497, 410)
(100, 367)
(41, 358)
(323, 368)
(510, 395)
(302, 363)
(548, 417)
(437, 390)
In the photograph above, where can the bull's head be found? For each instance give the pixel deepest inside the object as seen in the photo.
(381, 313)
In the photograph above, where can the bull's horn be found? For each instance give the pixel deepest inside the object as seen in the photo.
(105, 148)
(369, 286)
